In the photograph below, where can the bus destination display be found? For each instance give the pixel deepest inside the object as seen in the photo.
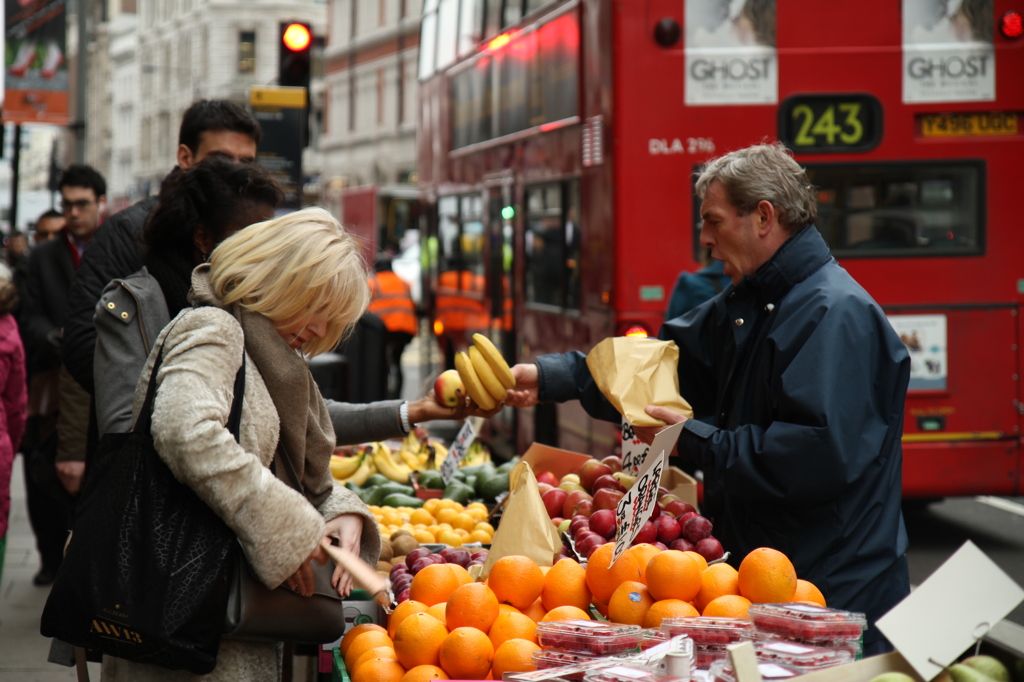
(830, 123)
(974, 124)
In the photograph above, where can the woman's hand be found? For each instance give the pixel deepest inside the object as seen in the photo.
(302, 580)
(428, 409)
(347, 529)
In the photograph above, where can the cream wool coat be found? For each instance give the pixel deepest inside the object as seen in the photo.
(278, 528)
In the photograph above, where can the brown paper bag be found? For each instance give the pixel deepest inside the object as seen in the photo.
(525, 527)
(633, 373)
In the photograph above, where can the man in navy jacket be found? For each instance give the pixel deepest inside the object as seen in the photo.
(806, 380)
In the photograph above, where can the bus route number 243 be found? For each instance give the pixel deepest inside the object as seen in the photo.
(830, 123)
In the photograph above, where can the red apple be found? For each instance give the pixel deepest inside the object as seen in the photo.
(682, 544)
(590, 542)
(584, 507)
(415, 554)
(403, 595)
(544, 487)
(592, 470)
(668, 528)
(548, 478)
(663, 491)
(606, 498)
(696, 529)
(660, 546)
(608, 481)
(683, 518)
(614, 463)
(656, 511)
(602, 522)
(579, 521)
(677, 508)
(448, 389)
(554, 500)
(709, 548)
(665, 499)
(648, 534)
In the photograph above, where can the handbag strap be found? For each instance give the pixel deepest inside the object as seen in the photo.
(234, 419)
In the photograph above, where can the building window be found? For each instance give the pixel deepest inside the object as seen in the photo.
(553, 244)
(247, 52)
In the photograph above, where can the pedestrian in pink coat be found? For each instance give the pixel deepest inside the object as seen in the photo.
(13, 398)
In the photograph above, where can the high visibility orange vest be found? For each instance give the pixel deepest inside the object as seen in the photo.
(459, 300)
(391, 301)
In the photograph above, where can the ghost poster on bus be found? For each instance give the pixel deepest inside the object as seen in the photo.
(948, 53)
(730, 52)
(35, 68)
(925, 339)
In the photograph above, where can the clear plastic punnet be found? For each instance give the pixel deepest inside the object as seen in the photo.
(721, 671)
(802, 657)
(589, 637)
(707, 630)
(807, 622)
(626, 673)
(652, 637)
(706, 654)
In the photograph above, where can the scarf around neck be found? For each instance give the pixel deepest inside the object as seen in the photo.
(307, 435)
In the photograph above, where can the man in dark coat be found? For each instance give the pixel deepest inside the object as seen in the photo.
(807, 382)
(208, 128)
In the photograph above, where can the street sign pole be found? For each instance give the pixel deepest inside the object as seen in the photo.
(280, 111)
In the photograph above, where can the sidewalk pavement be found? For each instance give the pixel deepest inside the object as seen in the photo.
(23, 650)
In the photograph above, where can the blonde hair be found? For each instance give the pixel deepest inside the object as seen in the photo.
(293, 267)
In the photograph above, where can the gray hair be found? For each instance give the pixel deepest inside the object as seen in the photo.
(763, 172)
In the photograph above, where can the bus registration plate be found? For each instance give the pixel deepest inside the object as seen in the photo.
(977, 124)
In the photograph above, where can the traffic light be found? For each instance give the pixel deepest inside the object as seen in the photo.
(294, 45)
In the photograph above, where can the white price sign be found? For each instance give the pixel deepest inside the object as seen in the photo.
(467, 434)
(634, 450)
(637, 504)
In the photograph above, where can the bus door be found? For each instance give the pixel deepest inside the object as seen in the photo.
(499, 298)
(459, 293)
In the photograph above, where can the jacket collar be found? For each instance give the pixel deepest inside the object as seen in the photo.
(796, 259)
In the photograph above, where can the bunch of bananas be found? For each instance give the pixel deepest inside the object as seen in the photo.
(484, 373)
(415, 454)
(476, 454)
(355, 468)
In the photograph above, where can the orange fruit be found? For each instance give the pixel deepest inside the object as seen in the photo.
(471, 605)
(462, 574)
(727, 606)
(767, 576)
(630, 603)
(699, 559)
(515, 655)
(371, 639)
(466, 654)
(535, 610)
(643, 553)
(355, 632)
(566, 585)
(418, 640)
(438, 611)
(376, 652)
(516, 580)
(566, 613)
(434, 584)
(512, 626)
(508, 608)
(603, 580)
(673, 575)
(425, 673)
(716, 581)
(401, 612)
(379, 670)
(668, 608)
(806, 591)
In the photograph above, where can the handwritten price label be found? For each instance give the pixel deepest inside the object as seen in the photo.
(637, 504)
(634, 450)
(467, 434)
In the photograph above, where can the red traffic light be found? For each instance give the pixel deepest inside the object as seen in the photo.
(296, 37)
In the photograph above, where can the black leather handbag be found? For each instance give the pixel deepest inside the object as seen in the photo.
(146, 574)
(255, 612)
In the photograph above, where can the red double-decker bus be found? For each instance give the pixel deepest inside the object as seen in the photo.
(558, 144)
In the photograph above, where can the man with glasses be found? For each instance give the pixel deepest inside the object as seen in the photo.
(44, 305)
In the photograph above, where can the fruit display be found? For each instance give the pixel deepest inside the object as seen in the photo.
(721, 671)
(589, 637)
(484, 373)
(807, 623)
(717, 631)
(800, 656)
(436, 521)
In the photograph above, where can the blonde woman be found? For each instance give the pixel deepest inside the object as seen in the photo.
(275, 292)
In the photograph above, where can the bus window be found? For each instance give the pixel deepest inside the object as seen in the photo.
(470, 26)
(552, 247)
(907, 209)
(513, 12)
(472, 237)
(428, 43)
(447, 30)
(492, 18)
(448, 232)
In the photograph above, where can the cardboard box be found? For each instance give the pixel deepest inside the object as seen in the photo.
(863, 670)
(561, 462)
